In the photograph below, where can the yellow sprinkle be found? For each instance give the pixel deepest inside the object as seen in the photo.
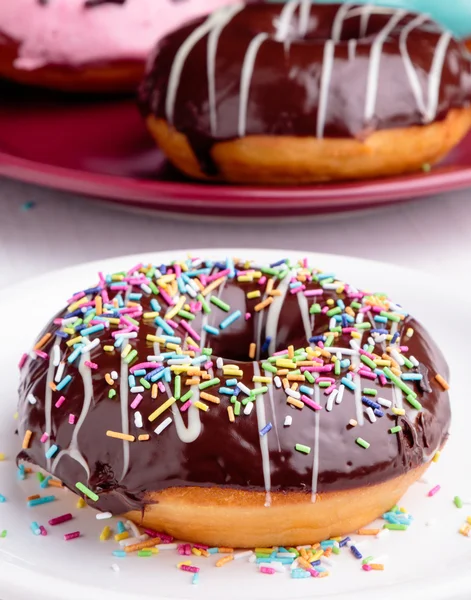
(73, 307)
(294, 386)
(75, 340)
(164, 279)
(68, 330)
(468, 520)
(254, 294)
(162, 409)
(284, 363)
(120, 436)
(112, 320)
(144, 437)
(210, 398)
(353, 422)
(465, 530)
(436, 456)
(153, 338)
(400, 412)
(27, 439)
(291, 352)
(252, 350)
(318, 554)
(224, 560)
(176, 309)
(355, 334)
(196, 551)
(187, 563)
(442, 382)
(262, 305)
(154, 391)
(410, 332)
(212, 286)
(230, 413)
(98, 305)
(126, 351)
(275, 293)
(81, 503)
(108, 348)
(201, 405)
(382, 363)
(105, 534)
(191, 342)
(233, 372)
(2, 456)
(150, 315)
(330, 302)
(261, 379)
(245, 278)
(295, 402)
(121, 536)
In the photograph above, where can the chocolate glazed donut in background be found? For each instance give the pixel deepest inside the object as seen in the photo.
(205, 439)
(296, 93)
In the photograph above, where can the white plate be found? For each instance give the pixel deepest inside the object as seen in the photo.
(431, 563)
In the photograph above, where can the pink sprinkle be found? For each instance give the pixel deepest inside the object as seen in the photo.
(200, 546)
(367, 374)
(348, 329)
(76, 297)
(309, 293)
(42, 354)
(189, 568)
(262, 280)
(280, 352)
(325, 310)
(61, 519)
(137, 267)
(217, 275)
(106, 298)
(44, 438)
(366, 568)
(144, 365)
(181, 550)
(161, 386)
(365, 353)
(194, 348)
(310, 402)
(91, 365)
(166, 297)
(23, 359)
(376, 309)
(328, 390)
(71, 536)
(190, 330)
(42, 529)
(365, 309)
(185, 406)
(208, 365)
(323, 369)
(304, 262)
(325, 379)
(404, 348)
(320, 344)
(71, 419)
(178, 270)
(383, 380)
(60, 402)
(267, 570)
(247, 316)
(300, 288)
(187, 549)
(313, 572)
(172, 323)
(137, 400)
(434, 490)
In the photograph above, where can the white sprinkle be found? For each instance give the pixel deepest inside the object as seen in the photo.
(279, 567)
(326, 562)
(133, 540)
(382, 533)
(158, 430)
(155, 358)
(138, 419)
(166, 546)
(294, 565)
(431, 522)
(133, 528)
(145, 288)
(56, 356)
(127, 336)
(397, 357)
(59, 372)
(423, 480)
(31, 399)
(332, 323)
(248, 408)
(277, 381)
(331, 400)
(90, 346)
(115, 568)
(179, 361)
(288, 420)
(354, 345)
(339, 397)
(384, 402)
(190, 290)
(245, 554)
(252, 558)
(414, 361)
(114, 375)
(292, 393)
(219, 363)
(137, 389)
(371, 415)
(69, 321)
(103, 516)
(286, 555)
(243, 388)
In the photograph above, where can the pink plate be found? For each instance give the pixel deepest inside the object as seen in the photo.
(100, 147)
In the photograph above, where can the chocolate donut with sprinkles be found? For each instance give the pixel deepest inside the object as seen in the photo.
(233, 403)
(299, 92)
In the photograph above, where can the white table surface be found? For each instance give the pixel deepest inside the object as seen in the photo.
(65, 229)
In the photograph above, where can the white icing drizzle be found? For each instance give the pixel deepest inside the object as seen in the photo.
(315, 459)
(435, 76)
(262, 421)
(304, 15)
(356, 361)
(48, 398)
(364, 20)
(273, 410)
(327, 67)
(124, 398)
(274, 310)
(352, 49)
(213, 40)
(246, 78)
(409, 67)
(375, 60)
(285, 19)
(187, 433)
(339, 19)
(304, 310)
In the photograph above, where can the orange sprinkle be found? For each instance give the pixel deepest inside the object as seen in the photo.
(261, 305)
(53, 387)
(55, 483)
(328, 552)
(192, 381)
(35, 497)
(295, 377)
(294, 387)
(224, 550)
(302, 562)
(282, 372)
(303, 553)
(205, 553)
(368, 531)
(120, 436)
(230, 412)
(212, 286)
(269, 288)
(154, 391)
(43, 341)
(109, 379)
(147, 544)
(210, 398)
(144, 437)
(252, 350)
(323, 574)
(285, 383)
(224, 560)
(275, 293)
(442, 382)
(27, 439)
(98, 305)
(291, 352)
(295, 402)
(376, 567)
(315, 546)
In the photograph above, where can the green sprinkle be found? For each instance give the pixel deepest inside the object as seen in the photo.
(335, 550)
(233, 399)
(324, 384)
(365, 325)
(186, 315)
(145, 383)
(133, 321)
(315, 309)
(186, 396)
(414, 402)
(337, 367)
(111, 394)
(207, 351)
(367, 560)
(237, 408)
(363, 443)
(368, 361)
(309, 377)
(258, 391)
(329, 341)
(282, 274)
(3, 534)
(177, 390)
(334, 311)
(395, 526)
(209, 383)
(356, 305)
(40, 477)
(302, 448)
(390, 316)
(269, 270)
(89, 317)
(220, 304)
(396, 429)
(144, 553)
(293, 551)
(370, 392)
(336, 329)
(153, 287)
(87, 492)
(266, 366)
(204, 304)
(407, 362)
(426, 168)
(130, 357)
(400, 384)
(458, 502)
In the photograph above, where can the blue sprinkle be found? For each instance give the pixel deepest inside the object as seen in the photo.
(27, 206)
(266, 344)
(213, 550)
(155, 305)
(2, 499)
(317, 338)
(356, 553)
(21, 472)
(60, 386)
(278, 263)
(164, 325)
(316, 563)
(306, 390)
(45, 482)
(411, 376)
(226, 391)
(380, 319)
(120, 553)
(380, 331)
(266, 429)
(378, 412)
(39, 501)
(139, 373)
(35, 528)
(131, 381)
(172, 339)
(149, 376)
(231, 382)
(394, 337)
(196, 578)
(120, 527)
(75, 354)
(347, 383)
(230, 319)
(52, 450)
(94, 329)
(344, 542)
(369, 402)
(211, 329)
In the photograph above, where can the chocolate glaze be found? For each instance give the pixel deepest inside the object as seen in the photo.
(284, 92)
(228, 454)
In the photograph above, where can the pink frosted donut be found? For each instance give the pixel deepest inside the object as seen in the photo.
(87, 45)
